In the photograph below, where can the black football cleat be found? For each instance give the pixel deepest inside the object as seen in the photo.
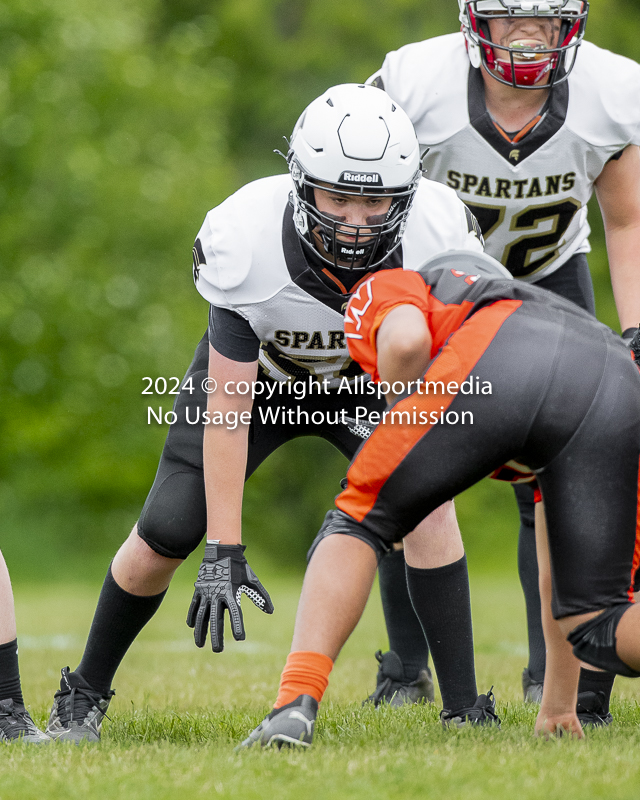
(78, 710)
(288, 726)
(16, 725)
(591, 710)
(393, 688)
(531, 690)
(482, 712)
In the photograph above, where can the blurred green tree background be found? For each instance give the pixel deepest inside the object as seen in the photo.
(121, 124)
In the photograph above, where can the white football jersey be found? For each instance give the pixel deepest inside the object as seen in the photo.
(251, 261)
(530, 198)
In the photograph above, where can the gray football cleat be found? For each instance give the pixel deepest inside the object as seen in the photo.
(78, 710)
(289, 726)
(482, 712)
(531, 690)
(393, 688)
(16, 725)
(591, 710)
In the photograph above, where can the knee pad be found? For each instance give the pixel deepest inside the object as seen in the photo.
(594, 641)
(338, 522)
(173, 521)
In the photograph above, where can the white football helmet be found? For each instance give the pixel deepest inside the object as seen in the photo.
(524, 65)
(353, 140)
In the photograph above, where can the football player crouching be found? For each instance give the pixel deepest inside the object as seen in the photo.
(524, 118)
(439, 326)
(277, 262)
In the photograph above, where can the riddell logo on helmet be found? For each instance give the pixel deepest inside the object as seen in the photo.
(361, 178)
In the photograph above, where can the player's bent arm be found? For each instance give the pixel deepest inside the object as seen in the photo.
(224, 574)
(618, 193)
(404, 351)
(558, 708)
(225, 448)
(404, 346)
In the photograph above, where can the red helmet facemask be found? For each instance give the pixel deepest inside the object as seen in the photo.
(521, 66)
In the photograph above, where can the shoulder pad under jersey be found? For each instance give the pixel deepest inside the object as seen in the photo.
(604, 98)
(438, 221)
(238, 255)
(428, 80)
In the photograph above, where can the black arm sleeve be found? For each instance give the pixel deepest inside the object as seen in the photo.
(232, 336)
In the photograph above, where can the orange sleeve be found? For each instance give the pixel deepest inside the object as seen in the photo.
(368, 307)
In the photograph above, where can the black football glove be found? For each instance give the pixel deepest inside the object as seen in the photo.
(631, 337)
(224, 576)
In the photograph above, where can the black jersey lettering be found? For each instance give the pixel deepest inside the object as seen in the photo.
(315, 343)
(484, 190)
(502, 188)
(283, 338)
(553, 184)
(453, 179)
(469, 182)
(298, 339)
(534, 189)
(520, 188)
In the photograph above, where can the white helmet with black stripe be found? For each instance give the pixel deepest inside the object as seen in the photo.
(353, 140)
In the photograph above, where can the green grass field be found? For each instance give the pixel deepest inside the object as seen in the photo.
(180, 711)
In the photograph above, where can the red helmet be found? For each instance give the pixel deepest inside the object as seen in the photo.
(524, 65)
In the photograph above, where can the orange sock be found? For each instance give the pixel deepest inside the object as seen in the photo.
(304, 673)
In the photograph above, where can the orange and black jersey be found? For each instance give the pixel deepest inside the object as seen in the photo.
(447, 297)
(565, 401)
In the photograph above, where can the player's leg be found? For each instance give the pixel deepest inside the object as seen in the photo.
(592, 507)
(171, 525)
(442, 580)
(573, 282)
(436, 568)
(336, 587)
(595, 686)
(15, 721)
(335, 590)
(404, 472)
(403, 671)
(497, 429)
(9, 673)
(533, 673)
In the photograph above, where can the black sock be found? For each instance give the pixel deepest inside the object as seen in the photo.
(406, 637)
(528, 571)
(441, 599)
(591, 681)
(9, 673)
(119, 618)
